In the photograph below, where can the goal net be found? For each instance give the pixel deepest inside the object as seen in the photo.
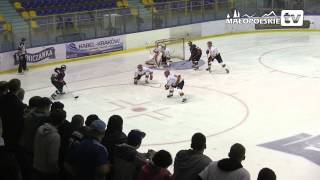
(175, 47)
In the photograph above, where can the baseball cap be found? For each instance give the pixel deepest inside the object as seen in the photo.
(98, 126)
(135, 136)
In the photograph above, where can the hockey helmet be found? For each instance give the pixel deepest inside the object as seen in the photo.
(140, 67)
(63, 67)
(167, 73)
(209, 43)
(23, 39)
(190, 43)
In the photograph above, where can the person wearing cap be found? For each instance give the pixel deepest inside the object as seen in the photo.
(89, 160)
(229, 168)
(46, 148)
(127, 160)
(22, 54)
(189, 163)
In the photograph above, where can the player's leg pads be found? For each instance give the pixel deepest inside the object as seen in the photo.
(219, 59)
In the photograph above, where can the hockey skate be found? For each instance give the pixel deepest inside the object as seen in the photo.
(227, 71)
(209, 69)
(184, 100)
(169, 95)
(146, 81)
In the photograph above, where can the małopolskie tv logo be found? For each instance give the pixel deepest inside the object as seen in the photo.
(292, 18)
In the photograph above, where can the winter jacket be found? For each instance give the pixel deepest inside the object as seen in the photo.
(151, 172)
(226, 169)
(32, 121)
(111, 139)
(127, 162)
(188, 164)
(46, 149)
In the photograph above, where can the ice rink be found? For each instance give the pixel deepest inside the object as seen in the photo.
(270, 102)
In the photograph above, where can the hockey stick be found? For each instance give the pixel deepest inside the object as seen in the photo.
(70, 92)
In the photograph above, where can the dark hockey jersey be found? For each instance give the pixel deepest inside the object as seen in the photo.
(58, 76)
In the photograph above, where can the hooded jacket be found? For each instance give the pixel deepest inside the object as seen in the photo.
(46, 149)
(226, 169)
(188, 164)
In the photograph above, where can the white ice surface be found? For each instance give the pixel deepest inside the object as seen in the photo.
(272, 92)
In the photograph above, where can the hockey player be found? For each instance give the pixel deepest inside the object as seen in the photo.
(57, 79)
(165, 59)
(143, 71)
(213, 54)
(195, 56)
(174, 82)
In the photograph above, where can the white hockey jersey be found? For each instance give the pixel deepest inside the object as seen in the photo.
(145, 71)
(172, 80)
(213, 51)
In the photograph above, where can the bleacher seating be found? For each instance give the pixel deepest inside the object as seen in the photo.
(50, 7)
(4, 25)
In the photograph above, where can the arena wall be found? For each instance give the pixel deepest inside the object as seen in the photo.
(60, 53)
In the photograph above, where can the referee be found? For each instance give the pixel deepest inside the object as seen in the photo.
(22, 56)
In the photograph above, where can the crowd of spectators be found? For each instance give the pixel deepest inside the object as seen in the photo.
(37, 143)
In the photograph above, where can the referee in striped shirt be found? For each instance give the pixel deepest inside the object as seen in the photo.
(22, 56)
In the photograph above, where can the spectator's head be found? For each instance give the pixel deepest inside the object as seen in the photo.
(77, 121)
(91, 118)
(20, 94)
(162, 159)
(34, 102)
(97, 129)
(237, 152)
(3, 88)
(57, 106)
(14, 85)
(198, 142)
(267, 174)
(57, 117)
(44, 104)
(135, 138)
(115, 124)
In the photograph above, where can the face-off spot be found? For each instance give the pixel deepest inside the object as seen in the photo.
(138, 109)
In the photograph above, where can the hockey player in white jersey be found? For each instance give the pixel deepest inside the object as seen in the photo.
(213, 53)
(174, 82)
(143, 71)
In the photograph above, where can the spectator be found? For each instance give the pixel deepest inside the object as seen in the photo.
(12, 110)
(20, 94)
(35, 118)
(114, 135)
(89, 160)
(77, 122)
(90, 119)
(3, 91)
(9, 166)
(57, 105)
(157, 169)
(46, 148)
(127, 160)
(78, 131)
(228, 169)
(267, 174)
(189, 163)
(33, 104)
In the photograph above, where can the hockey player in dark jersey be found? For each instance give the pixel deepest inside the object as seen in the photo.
(57, 79)
(195, 56)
